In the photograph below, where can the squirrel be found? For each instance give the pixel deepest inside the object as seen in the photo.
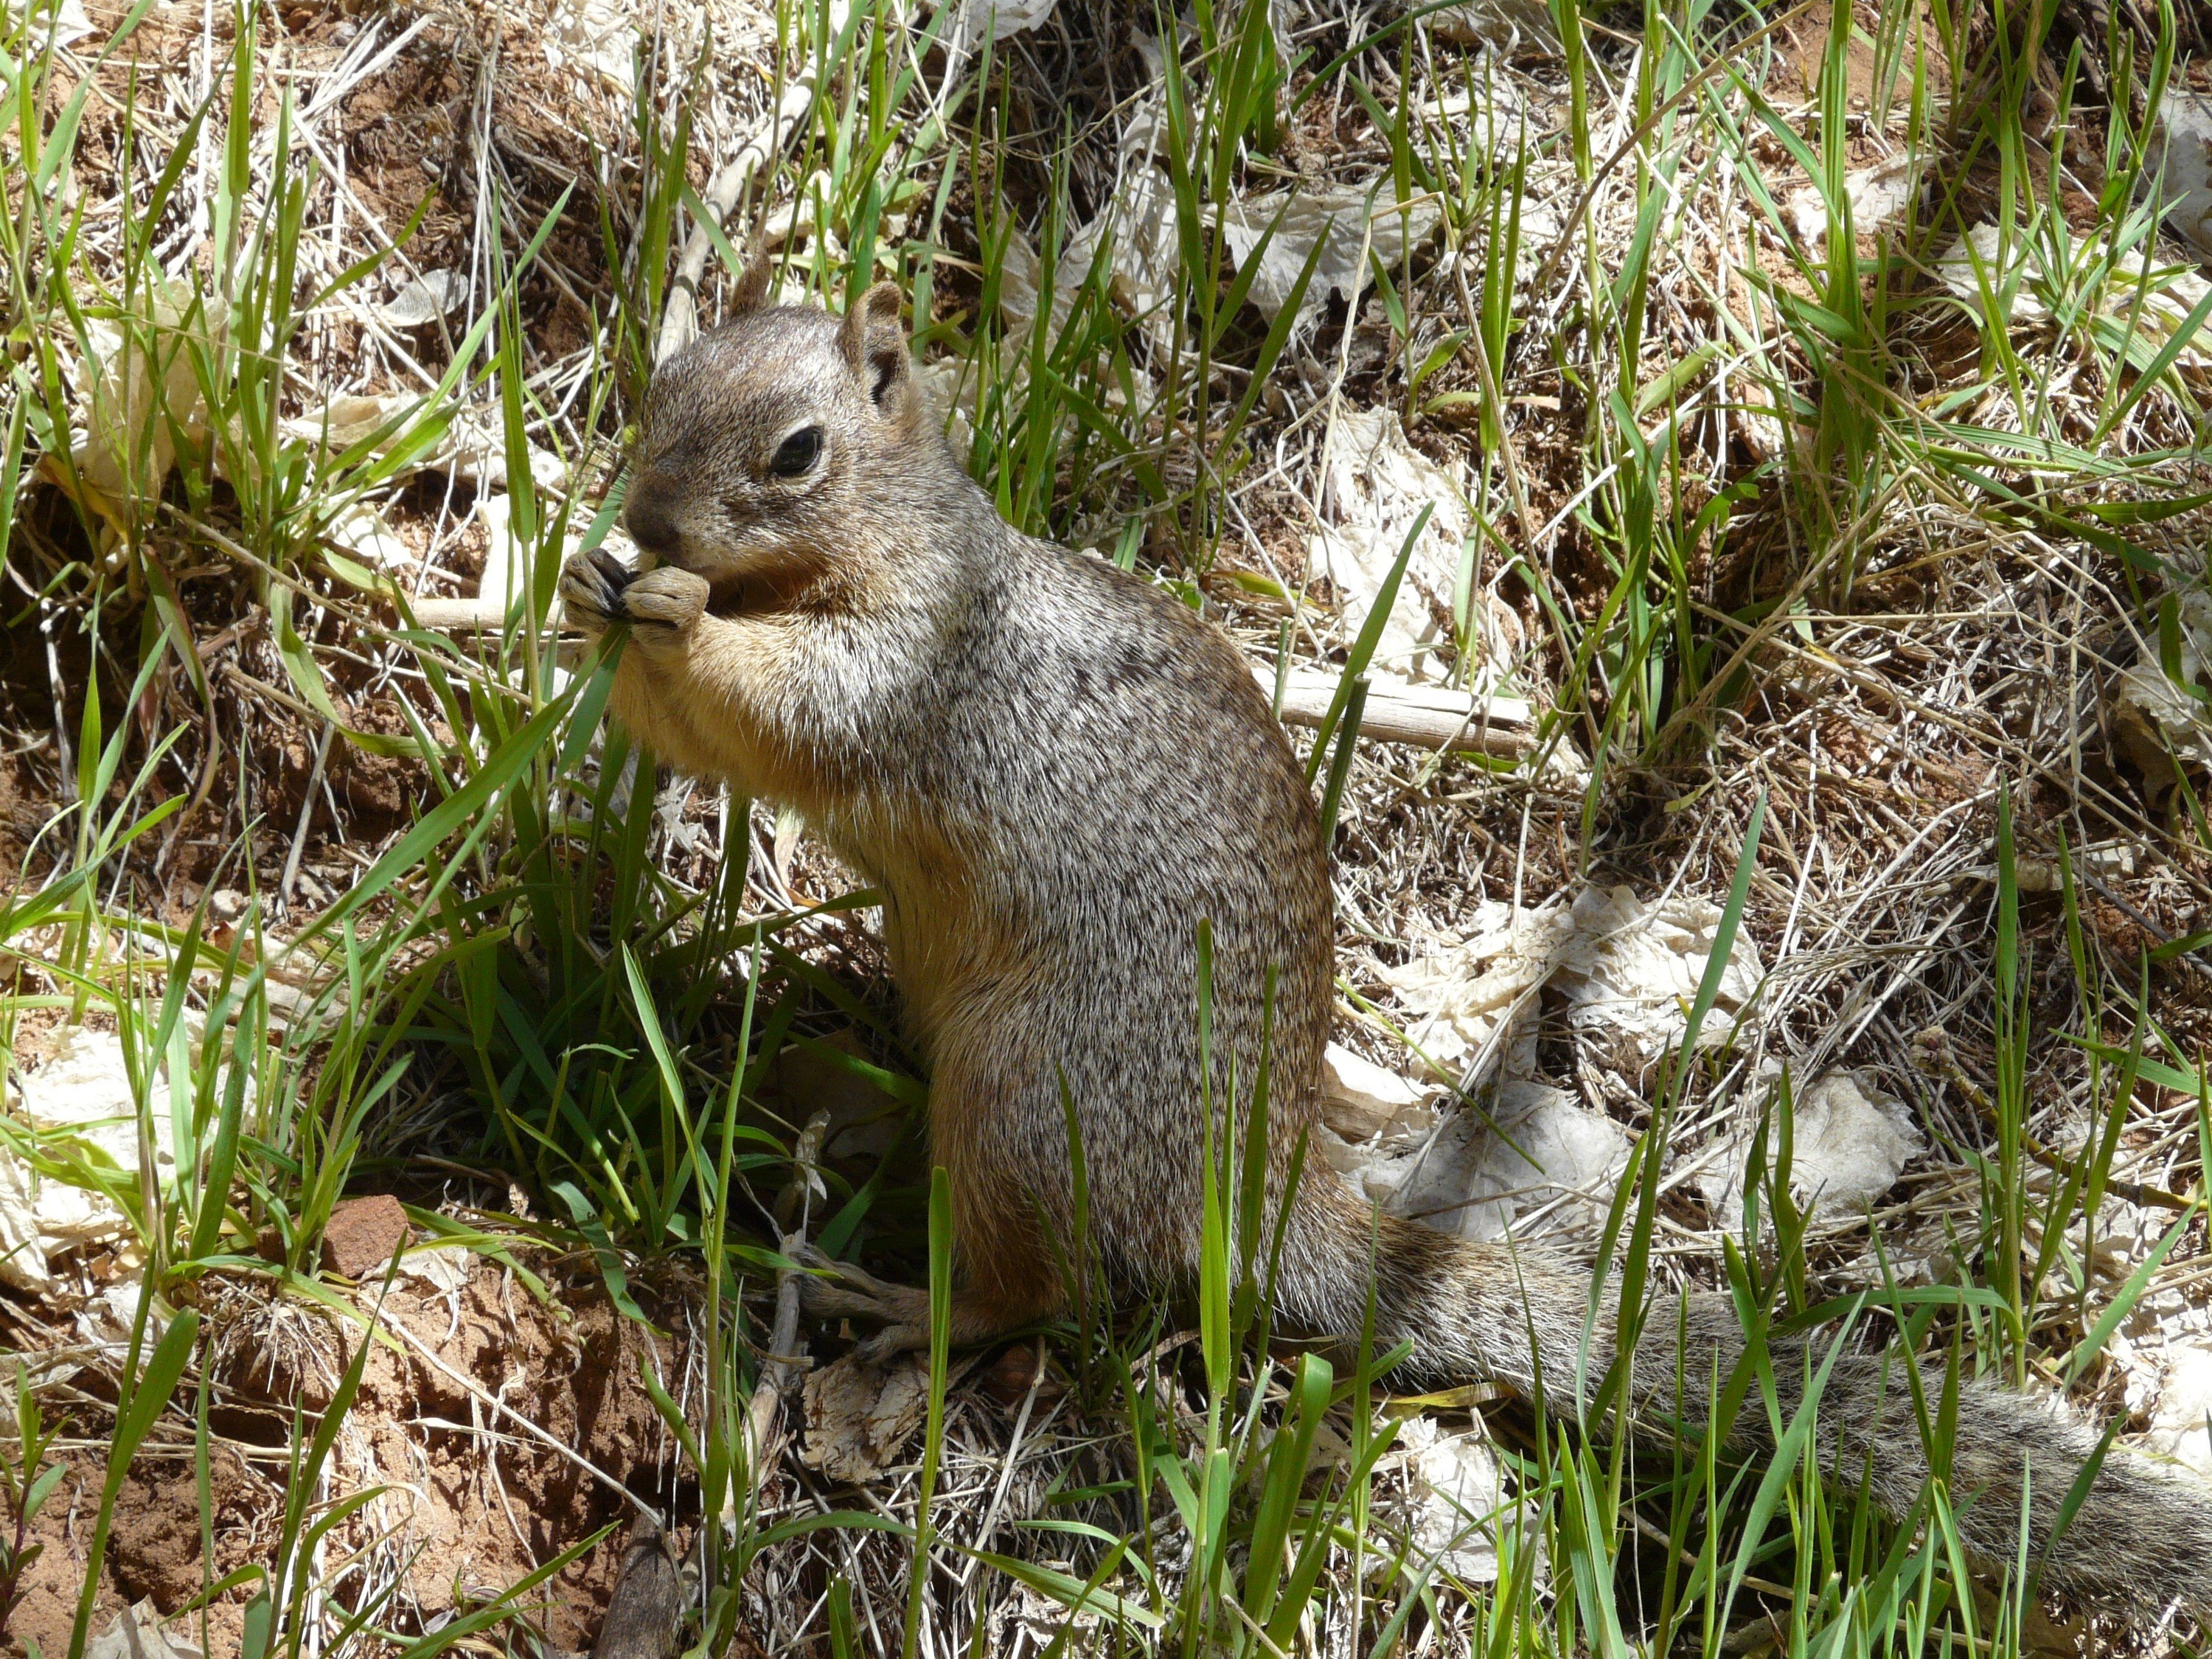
(1052, 771)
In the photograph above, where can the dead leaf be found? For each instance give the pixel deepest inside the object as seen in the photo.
(78, 1106)
(436, 294)
(360, 529)
(1879, 197)
(595, 37)
(2157, 718)
(1635, 969)
(860, 1415)
(1361, 1100)
(1849, 1143)
(1450, 1501)
(141, 396)
(139, 1633)
(1538, 1145)
(2154, 300)
(2181, 1414)
(985, 22)
(2185, 146)
(1463, 993)
(1354, 227)
(1139, 225)
(1375, 485)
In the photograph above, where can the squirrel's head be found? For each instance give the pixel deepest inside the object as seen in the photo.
(770, 444)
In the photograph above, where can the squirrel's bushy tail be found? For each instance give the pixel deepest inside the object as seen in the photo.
(1518, 1315)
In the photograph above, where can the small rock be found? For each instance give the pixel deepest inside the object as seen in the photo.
(1008, 1378)
(362, 1235)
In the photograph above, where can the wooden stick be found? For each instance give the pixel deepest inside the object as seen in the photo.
(765, 1430)
(1422, 716)
(460, 616)
(680, 316)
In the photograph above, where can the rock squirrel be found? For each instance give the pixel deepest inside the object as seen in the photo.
(1052, 771)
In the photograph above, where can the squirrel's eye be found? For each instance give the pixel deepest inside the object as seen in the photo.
(797, 452)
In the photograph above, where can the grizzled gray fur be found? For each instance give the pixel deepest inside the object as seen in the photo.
(1052, 771)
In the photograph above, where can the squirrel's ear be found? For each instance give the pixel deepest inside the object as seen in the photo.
(874, 342)
(757, 277)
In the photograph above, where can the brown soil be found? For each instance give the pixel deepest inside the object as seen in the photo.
(472, 1498)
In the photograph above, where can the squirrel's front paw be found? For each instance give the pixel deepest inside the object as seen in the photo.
(592, 589)
(670, 598)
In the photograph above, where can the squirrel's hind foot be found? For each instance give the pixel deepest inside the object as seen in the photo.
(841, 1290)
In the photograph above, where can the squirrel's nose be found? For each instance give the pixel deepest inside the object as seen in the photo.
(647, 517)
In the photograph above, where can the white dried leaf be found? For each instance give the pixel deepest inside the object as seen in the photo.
(1462, 994)
(141, 396)
(1539, 1148)
(1138, 228)
(71, 23)
(1879, 197)
(1849, 1143)
(139, 1633)
(1375, 485)
(2158, 723)
(2181, 1406)
(443, 1269)
(78, 1106)
(2185, 148)
(1453, 1502)
(1623, 967)
(948, 390)
(506, 560)
(2154, 300)
(1021, 283)
(475, 450)
(596, 38)
(985, 22)
(1353, 228)
(109, 1317)
(1361, 1100)
(427, 299)
(1512, 26)
(1631, 968)
(348, 419)
(503, 571)
(360, 529)
(2158, 719)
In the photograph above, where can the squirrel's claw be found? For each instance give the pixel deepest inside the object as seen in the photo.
(597, 589)
(592, 587)
(842, 1290)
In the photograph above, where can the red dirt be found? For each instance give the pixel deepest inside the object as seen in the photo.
(472, 1497)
